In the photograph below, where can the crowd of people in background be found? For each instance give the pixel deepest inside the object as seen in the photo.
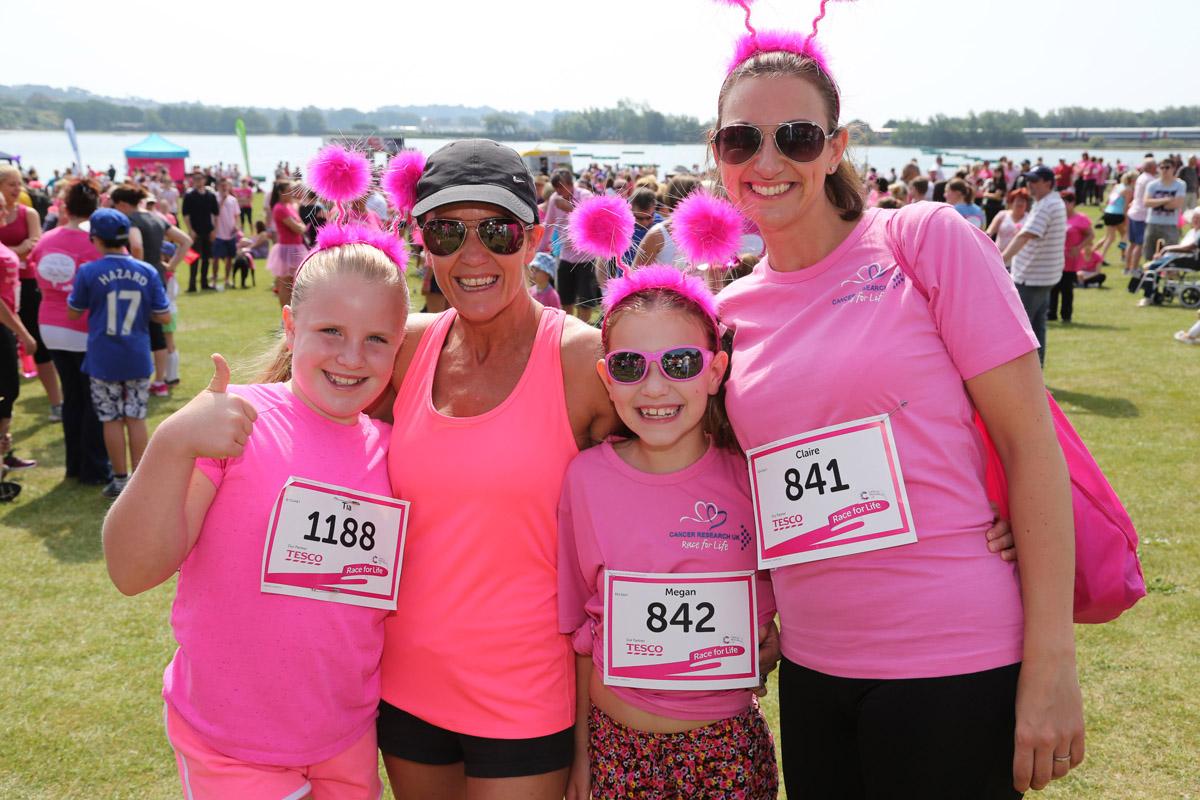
(1031, 210)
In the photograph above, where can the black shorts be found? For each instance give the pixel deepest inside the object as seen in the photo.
(948, 738)
(158, 339)
(576, 283)
(404, 736)
(1112, 220)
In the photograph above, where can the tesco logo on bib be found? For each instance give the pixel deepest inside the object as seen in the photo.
(643, 649)
(784, 523)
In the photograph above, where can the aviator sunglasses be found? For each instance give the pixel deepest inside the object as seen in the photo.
(502, 235)
(800, 141)
(677, 363)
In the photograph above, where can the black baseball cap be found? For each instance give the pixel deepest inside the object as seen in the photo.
(1039, 173)
(481, 171)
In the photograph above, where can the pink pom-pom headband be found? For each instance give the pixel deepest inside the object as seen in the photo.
(338, 175)
(754, 42)
(707, 229)
(337, 235)
(400, 180)
(660, 277)
(601, 226)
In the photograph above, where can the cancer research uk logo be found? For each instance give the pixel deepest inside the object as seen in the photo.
(706, 513)
(869, 284)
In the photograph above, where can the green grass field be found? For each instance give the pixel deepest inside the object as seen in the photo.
(81, 665)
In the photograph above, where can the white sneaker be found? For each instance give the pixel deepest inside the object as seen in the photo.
(1182, 336)
(1145, 301)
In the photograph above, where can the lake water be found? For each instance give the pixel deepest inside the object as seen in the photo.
(49, 150)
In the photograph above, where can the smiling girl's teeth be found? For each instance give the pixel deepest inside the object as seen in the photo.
(659, 413)
(343, 381)
(477, 283)
(770, 191)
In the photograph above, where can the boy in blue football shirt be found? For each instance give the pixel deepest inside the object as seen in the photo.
(121, 295)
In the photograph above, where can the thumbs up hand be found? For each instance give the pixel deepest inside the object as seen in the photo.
(214, 424)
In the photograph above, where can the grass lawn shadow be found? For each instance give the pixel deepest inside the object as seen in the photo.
(58, 518)
(1115, 407)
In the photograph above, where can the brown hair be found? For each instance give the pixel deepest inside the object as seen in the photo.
(82, 198)
(349, 259)
(844, 186)
(656, 301)
(679, 187)
(963, 188)
(128, 193)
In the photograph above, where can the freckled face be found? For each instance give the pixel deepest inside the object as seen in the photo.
(344, 340)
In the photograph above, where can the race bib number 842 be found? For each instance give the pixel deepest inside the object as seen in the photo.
(680, 631)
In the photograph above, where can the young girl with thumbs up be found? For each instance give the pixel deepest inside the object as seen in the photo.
(255, 494)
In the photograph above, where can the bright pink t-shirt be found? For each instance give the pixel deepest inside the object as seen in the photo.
(55, 259)
(850, 337)
(268, 678)
(285, 235)
(244, 195)
(1078, 226)
(613, 516)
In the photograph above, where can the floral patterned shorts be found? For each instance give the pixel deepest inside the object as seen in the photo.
(116, 400)
(731, 759)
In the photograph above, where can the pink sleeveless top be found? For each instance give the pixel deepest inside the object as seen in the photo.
(473, 646)
(16, 232)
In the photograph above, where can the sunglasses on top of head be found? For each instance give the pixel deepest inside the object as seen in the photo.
(676, 363)
(501, 235)
(800, 141)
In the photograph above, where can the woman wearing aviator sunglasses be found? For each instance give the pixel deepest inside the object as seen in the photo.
(915, 663)
(494, 397)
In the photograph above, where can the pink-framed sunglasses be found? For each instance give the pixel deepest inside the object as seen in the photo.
(676, 363)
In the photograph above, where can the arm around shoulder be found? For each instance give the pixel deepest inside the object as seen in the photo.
(592, 416)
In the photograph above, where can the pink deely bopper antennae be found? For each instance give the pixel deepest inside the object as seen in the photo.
(339, 176)
(664, 278)
(400, 180)
(707, 229)
(745, 6)
(601, 226)
(334, 235)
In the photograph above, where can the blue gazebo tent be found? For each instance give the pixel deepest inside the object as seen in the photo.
(155, 150)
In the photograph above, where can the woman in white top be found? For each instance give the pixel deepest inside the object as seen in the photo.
(658, 247)
(1007, 223)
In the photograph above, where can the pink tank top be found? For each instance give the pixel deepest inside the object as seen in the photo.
(16, 232)
(473, 646)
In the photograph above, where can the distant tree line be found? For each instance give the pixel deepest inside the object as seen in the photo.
(628, 122)
(1003, 128)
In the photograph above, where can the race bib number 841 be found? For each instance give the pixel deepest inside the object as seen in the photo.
(829, 492)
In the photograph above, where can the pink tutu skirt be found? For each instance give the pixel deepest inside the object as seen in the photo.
(285, 259)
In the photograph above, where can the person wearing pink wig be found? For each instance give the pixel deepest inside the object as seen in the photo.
(915, 664)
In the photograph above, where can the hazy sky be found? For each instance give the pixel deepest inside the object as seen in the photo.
(893, 58)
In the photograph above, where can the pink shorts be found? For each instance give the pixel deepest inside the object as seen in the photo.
(206, 774)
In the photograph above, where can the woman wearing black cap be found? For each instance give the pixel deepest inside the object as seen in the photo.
(493, 399)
